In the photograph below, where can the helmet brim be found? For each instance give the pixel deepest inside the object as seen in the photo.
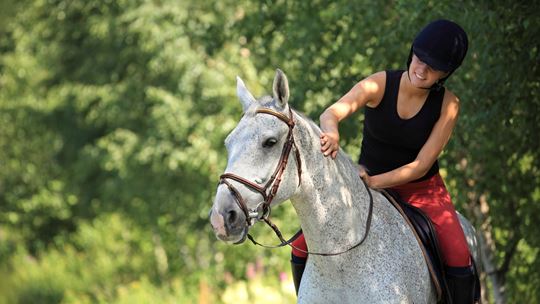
(432, 62)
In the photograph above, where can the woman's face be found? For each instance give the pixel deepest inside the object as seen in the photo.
(422, 75)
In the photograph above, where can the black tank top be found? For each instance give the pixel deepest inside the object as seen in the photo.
(389, 141)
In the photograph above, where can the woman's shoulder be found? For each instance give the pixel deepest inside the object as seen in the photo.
(450, 97)
(378, 77)
(450, 103)
(374, 85)
(383, 77)
(376, 81)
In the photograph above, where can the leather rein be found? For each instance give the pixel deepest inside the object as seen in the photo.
(262, 211)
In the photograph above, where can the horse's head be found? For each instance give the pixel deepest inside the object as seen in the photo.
(259, 170)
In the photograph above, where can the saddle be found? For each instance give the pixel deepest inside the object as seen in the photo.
(425, 234)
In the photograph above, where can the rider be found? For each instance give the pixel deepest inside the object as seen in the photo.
(409, 117)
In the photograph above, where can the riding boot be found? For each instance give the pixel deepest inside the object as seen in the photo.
(461, 284)
(297, 266)
(477, 286)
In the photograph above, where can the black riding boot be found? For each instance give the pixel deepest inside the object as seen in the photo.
(461, 284)
(297, 266)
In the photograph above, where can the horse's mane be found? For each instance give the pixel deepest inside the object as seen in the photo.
(317, 130)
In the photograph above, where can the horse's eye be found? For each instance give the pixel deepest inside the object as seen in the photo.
(269, 142)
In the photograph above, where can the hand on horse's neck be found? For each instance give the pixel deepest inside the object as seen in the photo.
(332, 203)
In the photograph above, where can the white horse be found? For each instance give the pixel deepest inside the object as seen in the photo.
(330, 200)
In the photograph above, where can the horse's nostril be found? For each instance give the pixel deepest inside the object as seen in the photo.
(231, 216)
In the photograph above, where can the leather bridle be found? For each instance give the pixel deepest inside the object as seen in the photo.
(269, 190)
(262, 211)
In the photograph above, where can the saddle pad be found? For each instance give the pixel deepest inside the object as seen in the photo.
(425, 234)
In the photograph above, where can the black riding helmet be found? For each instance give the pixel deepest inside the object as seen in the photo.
(442, 45)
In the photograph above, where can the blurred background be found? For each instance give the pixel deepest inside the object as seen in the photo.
(113, 116)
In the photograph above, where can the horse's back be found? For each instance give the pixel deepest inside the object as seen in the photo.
(471, 237)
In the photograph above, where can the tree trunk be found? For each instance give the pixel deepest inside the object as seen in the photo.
(490, 271)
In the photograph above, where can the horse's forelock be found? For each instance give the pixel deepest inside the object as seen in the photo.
(263, 102)
(267, 101)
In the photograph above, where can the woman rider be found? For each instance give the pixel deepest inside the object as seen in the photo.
(409, 118)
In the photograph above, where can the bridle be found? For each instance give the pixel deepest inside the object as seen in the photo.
(269, 190)
(262, 211)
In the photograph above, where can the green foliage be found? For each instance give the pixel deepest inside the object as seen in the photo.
(108, 260)
(113, 116)
(496, 142)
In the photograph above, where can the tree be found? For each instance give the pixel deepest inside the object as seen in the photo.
(121, 108)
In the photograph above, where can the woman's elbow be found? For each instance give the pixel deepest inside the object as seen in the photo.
(422, 168)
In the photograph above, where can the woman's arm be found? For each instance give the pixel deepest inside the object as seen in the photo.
(368, 91)
(428, 154)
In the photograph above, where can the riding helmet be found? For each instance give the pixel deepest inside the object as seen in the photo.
(442, 45)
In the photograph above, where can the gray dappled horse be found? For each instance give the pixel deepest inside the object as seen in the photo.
(274, 155)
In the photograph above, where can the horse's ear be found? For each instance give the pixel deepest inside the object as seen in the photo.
(281, 88)
(243, 94)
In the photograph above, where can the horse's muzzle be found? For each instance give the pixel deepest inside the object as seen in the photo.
(229, 225)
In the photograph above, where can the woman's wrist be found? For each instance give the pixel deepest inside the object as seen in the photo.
(328, 122)
(373, 181)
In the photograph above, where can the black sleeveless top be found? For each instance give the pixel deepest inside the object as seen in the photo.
(389, 141)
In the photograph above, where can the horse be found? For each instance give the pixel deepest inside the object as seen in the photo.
(274, 156)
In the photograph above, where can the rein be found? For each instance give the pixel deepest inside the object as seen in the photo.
(262, 211)
(285, 243)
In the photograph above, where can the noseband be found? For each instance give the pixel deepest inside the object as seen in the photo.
(269, 190)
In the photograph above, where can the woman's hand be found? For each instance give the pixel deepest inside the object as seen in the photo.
(362, 171)
(330, 144)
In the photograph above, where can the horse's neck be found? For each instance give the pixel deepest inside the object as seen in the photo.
(332, 202)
